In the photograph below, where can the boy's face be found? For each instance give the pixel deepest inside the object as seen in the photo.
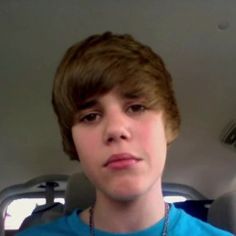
(121, 145)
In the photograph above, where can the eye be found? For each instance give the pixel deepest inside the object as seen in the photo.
(136, 108)
(90, 118)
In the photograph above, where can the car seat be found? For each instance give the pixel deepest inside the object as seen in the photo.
(222, 212)
(80, 193)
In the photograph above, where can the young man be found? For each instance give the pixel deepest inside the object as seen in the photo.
(117, 113)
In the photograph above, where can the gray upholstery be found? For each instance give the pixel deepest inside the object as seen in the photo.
(80, 193)
(222, 212)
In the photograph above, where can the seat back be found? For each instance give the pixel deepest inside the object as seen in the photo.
(196, 208)
(42, 215)
(222, 212)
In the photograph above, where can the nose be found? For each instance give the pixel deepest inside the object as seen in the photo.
(117, 128)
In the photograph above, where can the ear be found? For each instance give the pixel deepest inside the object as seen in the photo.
(170, 132)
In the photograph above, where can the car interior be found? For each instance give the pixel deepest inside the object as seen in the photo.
(196, 40)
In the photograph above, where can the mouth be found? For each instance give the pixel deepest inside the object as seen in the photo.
(121, 161)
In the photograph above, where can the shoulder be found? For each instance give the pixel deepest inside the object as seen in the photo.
(182, 223)
(60, 227)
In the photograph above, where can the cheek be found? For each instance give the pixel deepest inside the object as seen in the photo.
(153, 140)
(83, 149)
(83, 140)
(152, 134)
(87, 146)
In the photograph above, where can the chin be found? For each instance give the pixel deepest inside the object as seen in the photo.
(125, 197)
(128, 188)
(127, 193)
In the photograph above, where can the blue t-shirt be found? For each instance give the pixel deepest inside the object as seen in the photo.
(180, 224)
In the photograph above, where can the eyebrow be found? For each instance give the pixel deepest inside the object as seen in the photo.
(132, 95)
(87, 105)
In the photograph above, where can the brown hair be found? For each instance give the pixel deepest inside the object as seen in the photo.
(101, 62)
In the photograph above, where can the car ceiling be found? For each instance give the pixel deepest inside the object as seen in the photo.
(196, 40)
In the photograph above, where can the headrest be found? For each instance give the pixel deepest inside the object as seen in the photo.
(222, 212)
(80, 193)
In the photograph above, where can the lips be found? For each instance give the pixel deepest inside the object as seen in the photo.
(121, 161)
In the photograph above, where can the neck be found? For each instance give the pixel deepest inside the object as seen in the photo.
(127, 216)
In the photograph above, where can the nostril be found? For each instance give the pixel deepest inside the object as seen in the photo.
(113, 138)
(110, 139)
(116, 135)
